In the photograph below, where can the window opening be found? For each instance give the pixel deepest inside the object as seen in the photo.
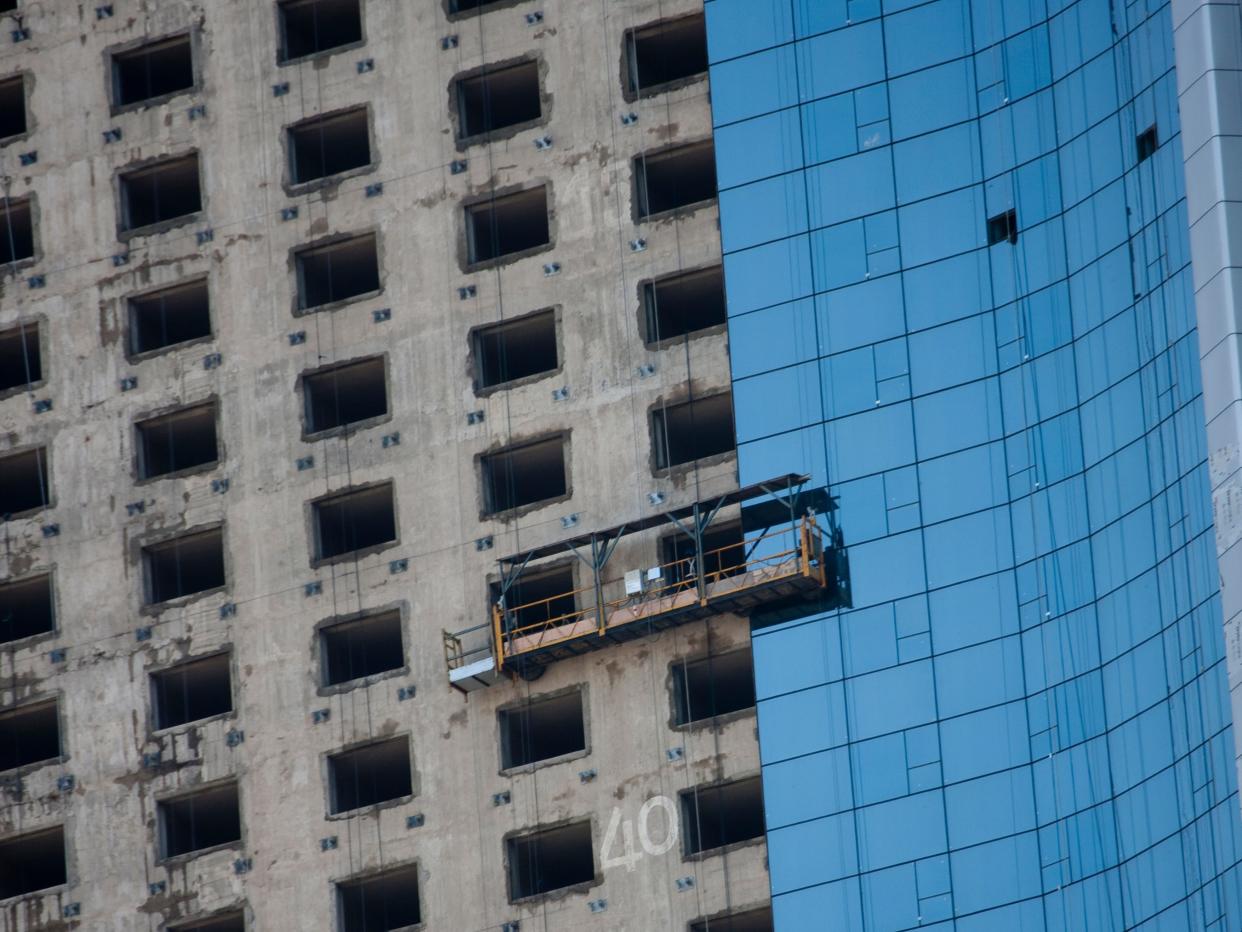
(1003, 227)
(753, 920)
(550, 859)
(192, 691)
(703, 689)
(523, 475)
(498, 98)
(355, 520)
(180, 440)
(683, 303)
(155, 69)
(16, 230)
(515, 349)
(674, 178)
(507, 224)
(13, 107)
(161, 192)
(26, 608)
(724, 554)
(365, 776)
(199, 821)
(542, 729)
(311, 26)
(24, 482)
(338, 271)
(715, 816)
(538, 597)
(361, 647)
(1147, 143)
(693, 430)
(8, 6)
(664, 52)
(29, 734)
(169, 316)
(233, 922)
(30, 863)
(381, 902)
(328, 145)
(346, 394)
(21, 360)
(184, 565)
(472, 6)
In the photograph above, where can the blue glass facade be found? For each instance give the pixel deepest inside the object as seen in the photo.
(1021, 721)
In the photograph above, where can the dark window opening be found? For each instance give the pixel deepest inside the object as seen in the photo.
(31, 863)
(753, 920)
(508, 224)
(170, 316)
(550, 860)
(8, 6)
(233, 922)
(13, 107)
(524, 475)
(345, 394)
(352, 521)
(29, 735)
(375, 773)
(515, 349)
(26, 608)
(311, 26)
(498, 98)
(338, 271)
(381, 902)
(724, 554)
(715, 816)
(160, 193)
(152, 70)
(693, 430)
(683, 303)
(538, 597)
(542, 729)
(200, 821)
(665, 52)
(180, 440)
(1003, 227)
(361, 647)
(16, 230)
(24, 482)
(472, 6)
(21, 361)
(703, 689)
(674, 178)
(184, 565)
(329, 145)
(192, 691)
(1147, 143)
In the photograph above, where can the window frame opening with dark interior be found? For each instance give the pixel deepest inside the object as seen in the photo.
(463, 8)
(30, 734)
(693, 430)
(504, 96)
(27, 607)
(25, 483)
(163, 193)
(192, 691)
(229, 922)
(322, 147)
(153, 71)
(750, 920)
(678, 178)
(386, 901)
(33, 862)
(538, 596)
(167, 317)
(8, 6)
(665, 54)
(709, 687)
(362, 647)
(710, 820)
(177, 441)
(1003, 227)
(331, 273)
(515, 350)
(183, 566)
(14, 118)
(203, 820)
(524, 475)
(350, 394)
(506, 227)
(21, 357)
(683, 304)
(724, 554)
(545, 728)
(369, 775)
(316, 27)
(17, 237)
(336, 520)
(1146, 143)
(549, 859)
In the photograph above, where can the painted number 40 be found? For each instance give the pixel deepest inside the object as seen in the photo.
(629, 856)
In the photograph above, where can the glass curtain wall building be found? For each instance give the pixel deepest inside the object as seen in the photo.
(958, 273)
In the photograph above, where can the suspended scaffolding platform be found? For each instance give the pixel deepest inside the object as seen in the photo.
(782, 549)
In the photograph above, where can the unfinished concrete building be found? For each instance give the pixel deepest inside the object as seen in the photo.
(373, 547)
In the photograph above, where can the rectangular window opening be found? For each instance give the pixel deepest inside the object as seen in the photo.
(198, 821)
(472, 6)
(34, 862)
(159, 193)
(674, 178)
(753, 920)
(8, 6)
(24, 482)
(508, 224)
(683, 303)
(153, 70)
(715, 816)
(1003, 227)
(13, 107)
(693, 430)
(352, 521)
(181, 440)
(192, 691)
(515, 349)
(703, 689)
(724, 554)
(308, 27)
(365, 776)
(361, 647)
(524, 475)
(26, 608)
(380, 903)
(538, 596)
(232, 922)
(184, 565)
(550, 859)
(345, 394)
(542, 729)
(29, 734)
(16, 230)
(21, 359)
(169, 316)
(328, 145)
(498, 98)
(338, 271)
(1147, 143)
(664, 52)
